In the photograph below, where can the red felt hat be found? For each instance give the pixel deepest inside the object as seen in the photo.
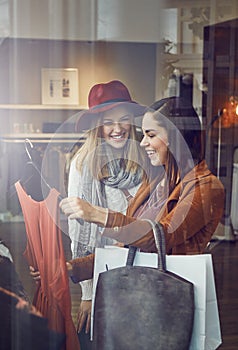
(103, 97)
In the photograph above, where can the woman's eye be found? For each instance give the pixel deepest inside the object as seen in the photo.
(107, 123)
(125, 120)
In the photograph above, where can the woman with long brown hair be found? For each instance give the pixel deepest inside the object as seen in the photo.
(184, 196)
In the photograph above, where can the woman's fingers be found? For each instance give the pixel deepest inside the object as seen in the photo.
(84, 316)
(69, 268)
(76, 208)
(71, 206)
(35, 274)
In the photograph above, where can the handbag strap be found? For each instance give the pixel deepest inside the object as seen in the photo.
(131, 255)
(160, 245)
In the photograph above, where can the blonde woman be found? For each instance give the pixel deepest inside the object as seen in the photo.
(106, 172)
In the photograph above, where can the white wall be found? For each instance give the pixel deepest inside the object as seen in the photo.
(55, 19)
(129, 20)
(21, 61)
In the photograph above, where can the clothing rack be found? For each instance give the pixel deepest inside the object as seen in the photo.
(13, 155)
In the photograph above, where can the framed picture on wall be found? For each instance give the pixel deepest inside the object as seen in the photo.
(59, 86)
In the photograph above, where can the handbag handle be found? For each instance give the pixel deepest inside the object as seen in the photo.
(131, 255)
(160, 245)
(158, 232)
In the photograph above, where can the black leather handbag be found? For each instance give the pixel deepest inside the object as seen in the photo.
(142, 307)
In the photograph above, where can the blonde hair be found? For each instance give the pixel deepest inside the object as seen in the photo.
(96, 163)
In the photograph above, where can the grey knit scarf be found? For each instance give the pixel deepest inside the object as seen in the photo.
(93, 191)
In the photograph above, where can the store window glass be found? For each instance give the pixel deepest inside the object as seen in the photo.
(53, 51)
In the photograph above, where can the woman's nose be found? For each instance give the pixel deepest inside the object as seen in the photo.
(144, 142)
(117, 127)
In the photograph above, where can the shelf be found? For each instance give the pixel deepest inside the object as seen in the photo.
(41, 107)
(42, 137)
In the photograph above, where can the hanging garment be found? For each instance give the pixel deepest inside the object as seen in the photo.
(45, 252)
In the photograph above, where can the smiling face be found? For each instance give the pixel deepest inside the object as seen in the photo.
(155, 140)
(116, 127)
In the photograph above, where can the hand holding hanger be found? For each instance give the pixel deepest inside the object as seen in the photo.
(29, 143)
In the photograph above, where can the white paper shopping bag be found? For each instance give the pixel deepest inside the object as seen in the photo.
(197, 269)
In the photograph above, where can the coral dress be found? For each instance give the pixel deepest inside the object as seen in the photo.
(45, 252)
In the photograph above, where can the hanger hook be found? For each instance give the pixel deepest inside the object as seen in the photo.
(28, 142)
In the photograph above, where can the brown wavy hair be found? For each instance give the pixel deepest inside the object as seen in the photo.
(186, 128)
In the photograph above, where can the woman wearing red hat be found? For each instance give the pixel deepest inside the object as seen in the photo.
(106, 171)
(184, 196)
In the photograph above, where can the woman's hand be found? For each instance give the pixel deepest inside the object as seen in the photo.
(77, 208)
(35, 274)
(69, 268)
(84, 315)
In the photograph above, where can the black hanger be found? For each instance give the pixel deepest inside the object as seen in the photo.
(32, 179)
(31, 162)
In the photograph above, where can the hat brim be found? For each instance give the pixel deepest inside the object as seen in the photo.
(87, 119)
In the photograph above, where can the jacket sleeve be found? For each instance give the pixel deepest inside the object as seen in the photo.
(129, 230)
(194, 217)
(82, 268)
(188, 226)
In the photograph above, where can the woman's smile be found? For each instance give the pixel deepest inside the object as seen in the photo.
(118, 137)
(155, 140)
(116, 127)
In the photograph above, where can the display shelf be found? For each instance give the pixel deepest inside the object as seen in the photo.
(40, 107)
(42, 137)
(27, 118)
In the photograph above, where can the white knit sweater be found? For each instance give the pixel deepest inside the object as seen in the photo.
(116, 200)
